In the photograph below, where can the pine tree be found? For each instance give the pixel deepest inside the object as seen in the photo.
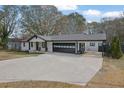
(116, 51)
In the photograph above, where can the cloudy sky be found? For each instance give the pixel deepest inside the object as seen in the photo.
(93, 12)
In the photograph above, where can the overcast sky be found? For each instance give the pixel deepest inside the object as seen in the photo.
(93, 12)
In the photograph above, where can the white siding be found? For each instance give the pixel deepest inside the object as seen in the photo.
(26, 47)
(40, 45)
(14, 45)
(32, 48)
(34, 40)
(88, 47)
(76, 47)
(49, 46)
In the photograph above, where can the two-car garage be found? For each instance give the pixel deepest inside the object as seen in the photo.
(64, 47)
(75, 43)
(77, 47)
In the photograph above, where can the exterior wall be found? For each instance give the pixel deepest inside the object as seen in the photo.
(76, 47)
(14, 45)
(50, 46)
(88, 47)
(34, 40)
(40, 45)
(33, 48)
(26, 47)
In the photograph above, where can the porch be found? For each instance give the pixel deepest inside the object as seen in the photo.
(37, 47)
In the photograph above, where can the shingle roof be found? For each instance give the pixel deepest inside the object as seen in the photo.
(15, 40)
(75, 37)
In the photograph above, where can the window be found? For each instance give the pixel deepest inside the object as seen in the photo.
(31, 44)
(23, 44)
(99, 44)
(92, 44)
(43, 44)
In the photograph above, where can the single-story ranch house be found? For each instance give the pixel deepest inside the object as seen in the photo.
(14, 43)
(73, 43)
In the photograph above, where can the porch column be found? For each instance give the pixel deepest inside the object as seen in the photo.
(76, 47)
(29, 45)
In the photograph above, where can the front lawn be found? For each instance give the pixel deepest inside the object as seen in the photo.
(8, 54)
(38, 84)
(111, 74)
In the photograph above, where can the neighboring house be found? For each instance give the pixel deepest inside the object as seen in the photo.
(14, 44)
(64, 43)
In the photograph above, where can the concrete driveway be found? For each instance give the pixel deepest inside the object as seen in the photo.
(62, 67)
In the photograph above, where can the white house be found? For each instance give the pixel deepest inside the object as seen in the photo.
(74, 43)
(14, 44)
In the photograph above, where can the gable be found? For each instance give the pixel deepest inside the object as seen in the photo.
(36, 39)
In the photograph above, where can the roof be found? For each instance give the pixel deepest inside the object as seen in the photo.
(83, 37)
(75, 37)
(15, 40)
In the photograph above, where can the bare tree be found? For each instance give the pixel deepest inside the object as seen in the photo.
(71, 24)
(8, 21)
(113, 27)
(39, 19)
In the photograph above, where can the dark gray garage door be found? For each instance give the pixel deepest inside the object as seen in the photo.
(64, 47)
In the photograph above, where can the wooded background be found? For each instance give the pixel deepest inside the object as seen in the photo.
(24, 21)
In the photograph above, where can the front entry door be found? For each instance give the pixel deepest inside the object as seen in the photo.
(37, 45)
(81, 47)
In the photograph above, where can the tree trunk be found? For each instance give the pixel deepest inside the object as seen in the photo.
(4, 42)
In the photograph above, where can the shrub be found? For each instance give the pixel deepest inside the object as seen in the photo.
(108, 50)
(116, 51)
